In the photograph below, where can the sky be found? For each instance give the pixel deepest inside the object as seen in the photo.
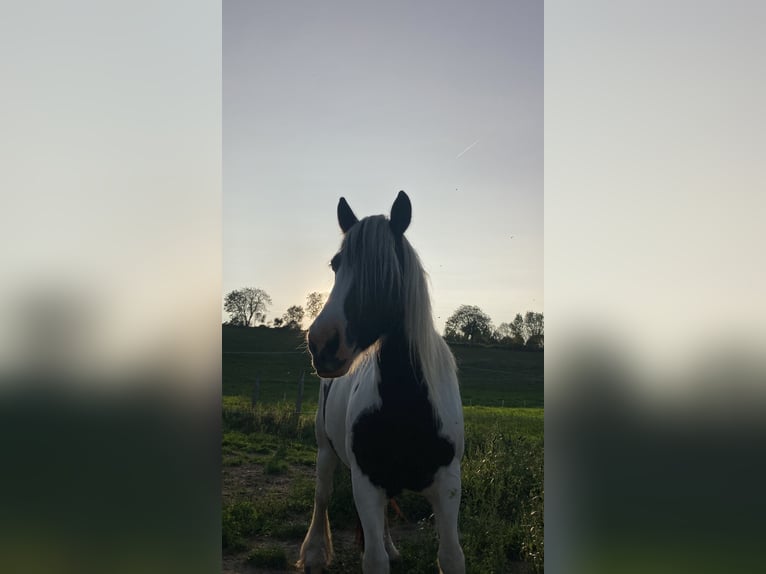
(443, 100)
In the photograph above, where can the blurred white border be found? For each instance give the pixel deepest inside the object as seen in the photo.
(654, 195)
(111, 219)
(654, 281)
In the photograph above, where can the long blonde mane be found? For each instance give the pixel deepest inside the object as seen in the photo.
(370, 249)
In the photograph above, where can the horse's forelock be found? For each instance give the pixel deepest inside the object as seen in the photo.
(370, 253)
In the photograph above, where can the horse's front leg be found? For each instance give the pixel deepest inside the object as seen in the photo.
(370, 504)
(444, 496)
(316, 551)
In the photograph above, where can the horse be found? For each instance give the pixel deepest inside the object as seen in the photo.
(389, 401)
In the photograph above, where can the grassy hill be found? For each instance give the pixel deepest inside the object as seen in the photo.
(488, 376)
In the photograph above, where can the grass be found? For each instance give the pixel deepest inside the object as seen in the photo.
(271, 556)
(501, 511)
(489, 376)
(239, 519)
(494, 376)
(502, 503)
(269, 452)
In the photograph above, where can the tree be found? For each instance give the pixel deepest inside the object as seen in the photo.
(234, 305)
(518, 328)
(534, 324)
(293, 317)
(503, 331)
(314, 303)
(277, 322)
(246, 306)
(506, 335)
(468, 323)
(535, 343)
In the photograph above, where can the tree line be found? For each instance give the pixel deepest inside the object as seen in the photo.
(469, 324)
(247, 307)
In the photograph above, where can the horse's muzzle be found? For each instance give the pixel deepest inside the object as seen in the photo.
(325, 356)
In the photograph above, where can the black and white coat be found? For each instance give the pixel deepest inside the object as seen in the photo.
(389, 405)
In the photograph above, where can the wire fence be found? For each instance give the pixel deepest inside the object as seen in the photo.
(296, 396)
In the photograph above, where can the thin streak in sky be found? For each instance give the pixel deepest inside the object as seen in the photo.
(466, 149)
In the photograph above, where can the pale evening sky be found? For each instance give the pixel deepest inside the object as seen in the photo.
(441, 99)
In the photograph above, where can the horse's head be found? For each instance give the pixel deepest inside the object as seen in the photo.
(366, 300)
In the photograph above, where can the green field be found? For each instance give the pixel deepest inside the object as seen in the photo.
(269, 451)
(488, 376)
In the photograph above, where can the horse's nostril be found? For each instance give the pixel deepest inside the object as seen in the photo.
(332, 346)
(327, 349)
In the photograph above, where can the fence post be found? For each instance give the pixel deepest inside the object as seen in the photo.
(256, 391)
(299, 400)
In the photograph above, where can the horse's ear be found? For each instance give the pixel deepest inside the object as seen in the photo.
(346, 217)
(401, 214)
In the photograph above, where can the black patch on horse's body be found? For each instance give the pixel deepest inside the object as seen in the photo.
(398, 445)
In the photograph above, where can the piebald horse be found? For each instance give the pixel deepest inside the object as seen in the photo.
(389, 401)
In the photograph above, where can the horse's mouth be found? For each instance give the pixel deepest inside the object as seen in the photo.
(336, 368)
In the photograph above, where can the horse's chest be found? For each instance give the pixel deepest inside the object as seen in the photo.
(397, 445)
